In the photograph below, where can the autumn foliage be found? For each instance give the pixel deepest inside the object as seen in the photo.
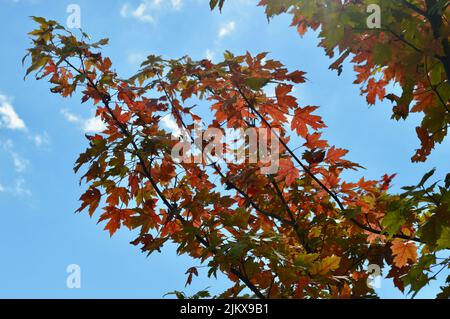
(410, 49)
(303, 232)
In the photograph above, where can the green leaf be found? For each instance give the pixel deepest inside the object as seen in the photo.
(426, 177)
(430, 232)
(38, 64)
(306, 260)
(393, 221)
(444, 241)
(256, 84)
(213, 4)
(382, 53)
(352, 212)
(239, 218)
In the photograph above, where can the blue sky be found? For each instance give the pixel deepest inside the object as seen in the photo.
(41, 135)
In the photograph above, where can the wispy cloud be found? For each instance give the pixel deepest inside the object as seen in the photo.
(89, 125)
(224, 30)
(21, 188)
(141, 12)
(20, 163)
(146, 11)
(227, 29)
(41, 139)
(176, 4)
(70, 116)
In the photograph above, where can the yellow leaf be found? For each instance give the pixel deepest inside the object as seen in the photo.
(326, 265)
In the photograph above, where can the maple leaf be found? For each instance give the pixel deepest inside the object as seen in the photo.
(427, 144)
(374, 90)
(325, 266)
(191, 272)
(116, 194)
(115, 217)
(288, 171)
(285, 100)
(444, 241)
(297, 76)
(334, 155)
(314, 156)
(404, 252)
(90, 198)
(303, 118)
(424, 101)
(105, 65)
(313, 141)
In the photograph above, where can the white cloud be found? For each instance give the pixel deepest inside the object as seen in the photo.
(147, 10)
(70, 116)
(177, 4)
(10, 119)
(2, 188)
(93, 125)
(227, 28)
(89, 125)
(8, 116)
(141, 12)
(170, 123)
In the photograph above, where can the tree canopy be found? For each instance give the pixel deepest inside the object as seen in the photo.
(300, 232)
(410, 49)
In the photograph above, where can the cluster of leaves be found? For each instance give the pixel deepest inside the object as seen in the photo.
(410, 49)
(300, 233)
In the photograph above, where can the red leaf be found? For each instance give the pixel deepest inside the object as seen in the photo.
(335, 155)
(191, 271)
(288, 171)
(303, 118)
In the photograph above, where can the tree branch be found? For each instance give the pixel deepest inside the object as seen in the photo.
(173, 210)
(414, 8)
(308, 172)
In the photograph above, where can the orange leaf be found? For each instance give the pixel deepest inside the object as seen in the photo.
(288, 171)
(285, 100)
(335, 155)
(303, 118)
(403, 251)
(313, 141)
